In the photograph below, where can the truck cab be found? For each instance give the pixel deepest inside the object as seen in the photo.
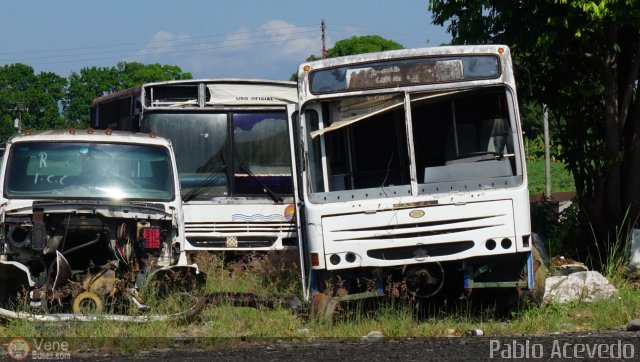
(85, 217)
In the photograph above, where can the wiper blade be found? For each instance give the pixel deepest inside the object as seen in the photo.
(210, 177)
(276, 197)
(484, 155)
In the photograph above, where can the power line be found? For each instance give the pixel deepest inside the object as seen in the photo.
(382, 26)
(183, 47)
(134, 55)
(261, 31)
(224, 41)
(309, 28)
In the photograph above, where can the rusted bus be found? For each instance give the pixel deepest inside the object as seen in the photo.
(117, 110)
(412, 171)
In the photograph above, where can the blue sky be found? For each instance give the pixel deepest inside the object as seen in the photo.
(210, 39)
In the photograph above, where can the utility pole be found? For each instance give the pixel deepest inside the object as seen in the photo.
(547, 158)
(323, 27)
(17, 122)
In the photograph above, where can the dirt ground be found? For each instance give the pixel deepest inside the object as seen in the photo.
(609, 345)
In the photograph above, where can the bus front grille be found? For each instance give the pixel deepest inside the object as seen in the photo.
(236, 228)
(242, 242)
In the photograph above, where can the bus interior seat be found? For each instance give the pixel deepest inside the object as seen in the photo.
(467, 140)
(495, 135)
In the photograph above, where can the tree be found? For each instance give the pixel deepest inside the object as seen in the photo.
(93, 82)
(355, 45)
(34, 99)
(135, 74)
(362, 44)
(90, 83)
(584, 58)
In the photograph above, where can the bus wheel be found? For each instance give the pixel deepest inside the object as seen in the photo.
(324, 307)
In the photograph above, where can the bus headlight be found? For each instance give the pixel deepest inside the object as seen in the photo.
(290, 212)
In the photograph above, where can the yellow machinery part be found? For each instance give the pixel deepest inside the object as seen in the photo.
(88, 303)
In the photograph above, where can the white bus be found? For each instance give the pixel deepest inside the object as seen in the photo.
(412, 175)
(232, 148)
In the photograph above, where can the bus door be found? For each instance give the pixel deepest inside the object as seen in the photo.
(296, 170)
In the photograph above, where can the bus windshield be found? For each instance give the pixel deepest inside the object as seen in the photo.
(213, 162)
(457, 137)
(89, 170)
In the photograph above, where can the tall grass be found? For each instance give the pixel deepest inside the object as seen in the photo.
(613, 258)
(223, 325)
(272, 273)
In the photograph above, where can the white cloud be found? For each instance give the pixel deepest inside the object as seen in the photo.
(274, 39)
(178, 49)
(271, 51)
(241, 38)
(292, 40)
(164, 43)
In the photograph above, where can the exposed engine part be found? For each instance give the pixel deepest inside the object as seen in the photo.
(52, 244)
(19, 236)
(39, 231)
(81, 262)
(102, 284)
(148, 236)
(88, 303)
(60, 271)
(81, 246)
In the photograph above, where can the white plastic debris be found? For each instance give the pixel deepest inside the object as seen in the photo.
(373, 336)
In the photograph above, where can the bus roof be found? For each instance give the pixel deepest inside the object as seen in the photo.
(224, 81)
(405, 53)
(125, 93)
(136, 91)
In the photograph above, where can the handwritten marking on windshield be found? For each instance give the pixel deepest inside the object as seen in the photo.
(43, 160)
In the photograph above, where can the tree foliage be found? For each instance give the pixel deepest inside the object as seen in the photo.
(355, 45)
(48, 101)
(362, 44)
(583, 57)
(90, 83)
(93, 82)
(34, 99)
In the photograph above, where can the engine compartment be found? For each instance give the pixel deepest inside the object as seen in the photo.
(76, 261)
